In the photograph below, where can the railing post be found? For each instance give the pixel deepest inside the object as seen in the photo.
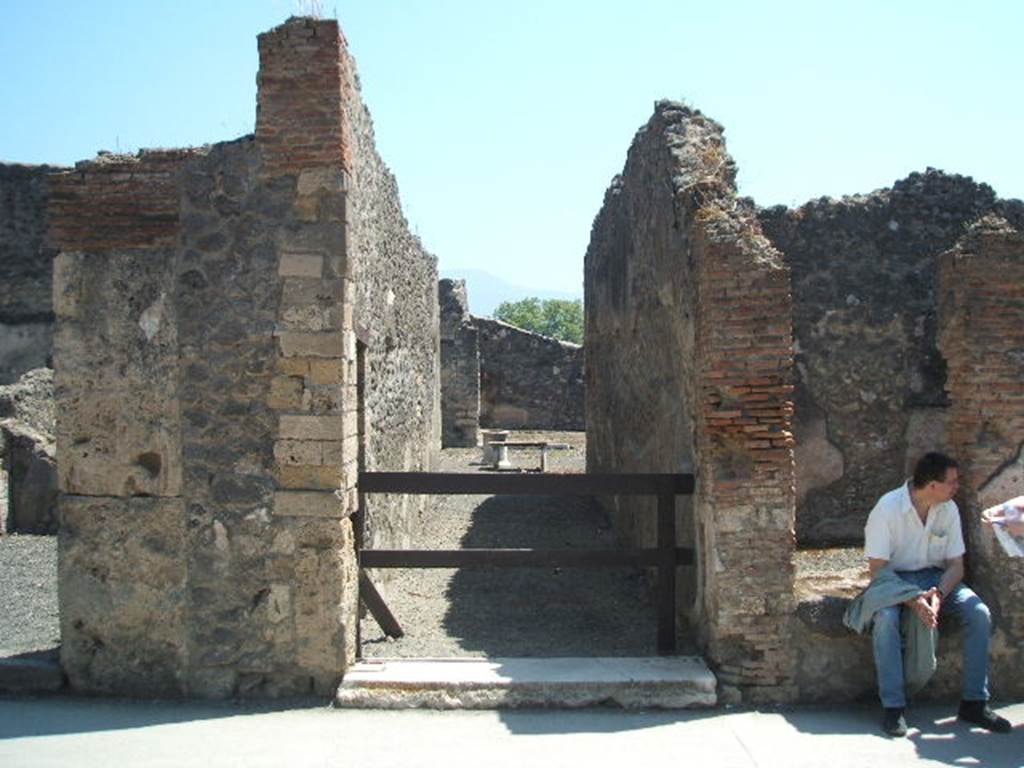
(666, 592)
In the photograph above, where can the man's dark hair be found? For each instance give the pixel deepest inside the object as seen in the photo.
(932, 466)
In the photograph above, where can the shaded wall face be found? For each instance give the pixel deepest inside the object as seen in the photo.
(981, 320)
(689, 365)
(460, 368)
(640, 336)
(871, 388)
(395, 304)
(528, 381)
(26, 263)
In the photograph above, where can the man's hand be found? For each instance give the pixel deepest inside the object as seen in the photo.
(926, 606)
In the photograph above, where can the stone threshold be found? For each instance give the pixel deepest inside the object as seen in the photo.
(670, 682)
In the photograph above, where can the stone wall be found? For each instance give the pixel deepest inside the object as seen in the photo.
(528, 381)
(689, 363)
(981, 335)
(497, 375)
(214, 402)
(460, 368)
(395, 305)
(871, 387)
(26, 264)
(28, 464)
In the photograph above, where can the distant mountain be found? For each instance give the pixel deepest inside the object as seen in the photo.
(487, 291)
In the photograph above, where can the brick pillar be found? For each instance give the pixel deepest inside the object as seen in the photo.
(981, 317)
(745, 497)
(303, 138)
(305, 79)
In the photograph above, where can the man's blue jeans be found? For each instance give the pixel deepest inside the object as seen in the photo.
(973, 616)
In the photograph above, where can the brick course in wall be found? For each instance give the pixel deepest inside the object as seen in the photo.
(117, 201)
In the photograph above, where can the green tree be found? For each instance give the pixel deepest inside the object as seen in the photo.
(558, 318)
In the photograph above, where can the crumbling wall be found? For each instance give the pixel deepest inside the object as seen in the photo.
(689, 362)
(460, 368)
(871, 387)
(208, 390)
(981, 335)
(26, 265)
(528, 381)
(28, 464)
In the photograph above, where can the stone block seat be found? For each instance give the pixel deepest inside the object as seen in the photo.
(835, 664)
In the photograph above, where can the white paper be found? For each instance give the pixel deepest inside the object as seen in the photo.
(1000, 514)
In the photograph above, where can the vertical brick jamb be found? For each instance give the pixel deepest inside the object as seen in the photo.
(303, 136)
(745, 504)
(981, 336)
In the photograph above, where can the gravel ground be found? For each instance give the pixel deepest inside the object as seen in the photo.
(516, 611)
(470, 611)
(28, 593)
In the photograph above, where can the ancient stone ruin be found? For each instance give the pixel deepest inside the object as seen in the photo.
(495, 375)
(799, 361)
(238, 330)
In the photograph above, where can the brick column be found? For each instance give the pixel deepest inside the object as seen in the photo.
(745, 499)
(981, 316)
(303, 137)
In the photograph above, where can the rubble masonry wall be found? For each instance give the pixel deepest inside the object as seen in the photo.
(209, 416)
(528, 381)
(26, 310)
(870, 395)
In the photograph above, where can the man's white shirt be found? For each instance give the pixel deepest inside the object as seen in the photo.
(894, 532)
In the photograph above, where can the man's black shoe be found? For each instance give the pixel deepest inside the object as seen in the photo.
(979, 713)
(893, 721)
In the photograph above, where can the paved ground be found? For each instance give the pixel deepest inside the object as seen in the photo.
(84, 733)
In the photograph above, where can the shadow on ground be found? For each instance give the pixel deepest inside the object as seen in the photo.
(548, 611)
(27, 716)
(934, 732)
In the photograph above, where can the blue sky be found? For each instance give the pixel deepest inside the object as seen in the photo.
(504, 122)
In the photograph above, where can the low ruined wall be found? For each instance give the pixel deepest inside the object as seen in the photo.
(528, 381)
(214, 400)
(460, 368)
(689, 364)
(871, 387)
(26, 265)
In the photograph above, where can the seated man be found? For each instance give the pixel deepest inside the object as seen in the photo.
(916, 529)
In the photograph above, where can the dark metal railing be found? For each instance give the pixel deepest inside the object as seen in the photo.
(665, 557)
